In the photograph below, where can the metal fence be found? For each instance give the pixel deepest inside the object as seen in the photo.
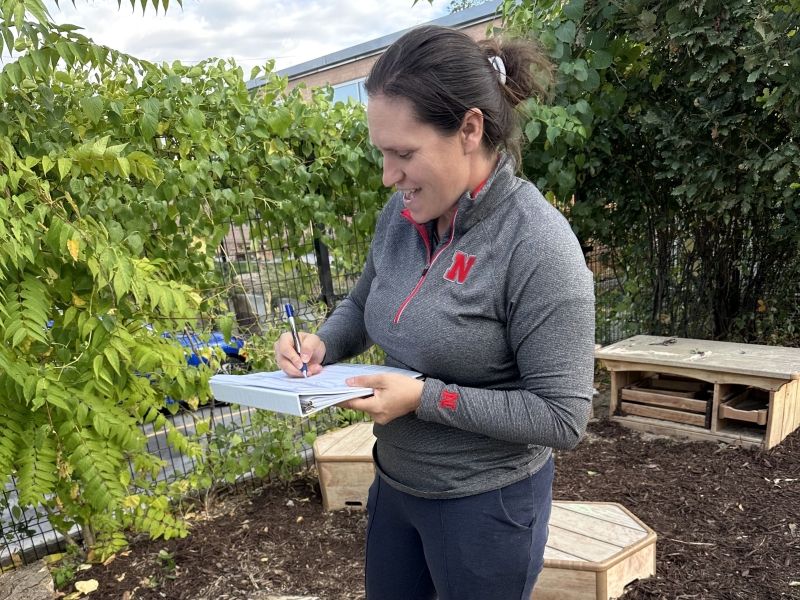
(261, 281)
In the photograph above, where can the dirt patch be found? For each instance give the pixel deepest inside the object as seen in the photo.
(727, 519)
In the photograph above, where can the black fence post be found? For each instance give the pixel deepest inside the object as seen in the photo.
(324, 270)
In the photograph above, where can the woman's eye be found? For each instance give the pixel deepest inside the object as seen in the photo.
(405, 156)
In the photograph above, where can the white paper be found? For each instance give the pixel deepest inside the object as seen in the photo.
(330, 381)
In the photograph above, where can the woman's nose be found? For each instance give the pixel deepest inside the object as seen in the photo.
(391, 174)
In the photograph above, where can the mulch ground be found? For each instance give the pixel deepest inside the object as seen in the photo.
(727, 519)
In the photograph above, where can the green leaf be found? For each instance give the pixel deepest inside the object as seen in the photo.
(64, 167)
(280, 120)
(592, 80)
(574, 10)
(93, 107)
(566, 32)
(148, 124)
(596, 40)
(112, 357)
(601, 59)
(97, 365)
(674, 14)
(532, 130)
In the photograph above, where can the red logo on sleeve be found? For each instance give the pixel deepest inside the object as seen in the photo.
(458, 271)
(449, 400)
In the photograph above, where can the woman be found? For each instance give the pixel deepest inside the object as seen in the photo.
(476, 281)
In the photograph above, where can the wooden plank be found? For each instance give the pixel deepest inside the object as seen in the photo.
(745, 407)
(664, 414)
(601, 510)
(673, 393)
(350, 445)
(345, 485)
(325, 441)
(365, 449)
(639, 565)
(796, 402)
(564, 584)
(775, 418)
(578, 545)
(744, 359)
(591, 528)
(707, 375)
(679, 385)
(665, 400)
(620, 379)
(551, 554)
(789, 424)
(688, 432)
(722, 391)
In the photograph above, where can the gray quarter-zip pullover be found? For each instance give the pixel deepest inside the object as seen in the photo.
(499, 317)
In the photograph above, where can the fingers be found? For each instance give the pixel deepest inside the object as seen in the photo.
(312, 352)
(366, 404)
(367, 381)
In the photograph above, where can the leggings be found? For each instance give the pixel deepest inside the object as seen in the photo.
(489, 546)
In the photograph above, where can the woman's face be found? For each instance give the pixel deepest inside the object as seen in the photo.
(432, 171)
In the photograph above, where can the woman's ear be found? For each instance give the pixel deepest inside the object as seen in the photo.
(472, 131)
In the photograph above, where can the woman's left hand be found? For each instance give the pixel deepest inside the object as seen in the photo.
(394, 395)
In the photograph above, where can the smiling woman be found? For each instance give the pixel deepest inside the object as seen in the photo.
(475, 280)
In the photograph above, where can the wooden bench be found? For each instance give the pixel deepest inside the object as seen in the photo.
(594, 549)
(742, 394)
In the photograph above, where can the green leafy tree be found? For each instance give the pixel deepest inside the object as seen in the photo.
(118, 180)
(671, 144)
(459, 5)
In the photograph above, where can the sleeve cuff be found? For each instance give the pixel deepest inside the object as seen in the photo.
(429, 403)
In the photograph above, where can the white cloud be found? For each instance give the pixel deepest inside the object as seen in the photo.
(251, 31)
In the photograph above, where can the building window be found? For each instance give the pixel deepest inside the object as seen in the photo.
(351, 89)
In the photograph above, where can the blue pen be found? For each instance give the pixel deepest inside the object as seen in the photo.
(290, 315)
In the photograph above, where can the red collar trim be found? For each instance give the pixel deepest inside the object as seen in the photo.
(480, 187)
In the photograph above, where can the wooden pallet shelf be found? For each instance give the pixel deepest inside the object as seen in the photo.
(753, 392)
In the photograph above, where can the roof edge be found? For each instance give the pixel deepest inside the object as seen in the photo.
(457, 20)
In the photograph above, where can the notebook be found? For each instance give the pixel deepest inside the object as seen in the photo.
(299, 396)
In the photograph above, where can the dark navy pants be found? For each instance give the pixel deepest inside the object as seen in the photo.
(488, 546)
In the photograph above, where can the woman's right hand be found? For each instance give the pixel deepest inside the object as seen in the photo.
(312, 352)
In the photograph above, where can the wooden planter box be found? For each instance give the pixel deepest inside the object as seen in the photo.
(594, 550)
(344, 463)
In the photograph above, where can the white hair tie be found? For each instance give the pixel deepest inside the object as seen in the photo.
(500, 67)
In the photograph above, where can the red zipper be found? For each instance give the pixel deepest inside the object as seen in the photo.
(424, 233)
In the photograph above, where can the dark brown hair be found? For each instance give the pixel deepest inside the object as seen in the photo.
(444, 73)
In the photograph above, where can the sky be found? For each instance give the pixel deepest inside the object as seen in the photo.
(251, 31)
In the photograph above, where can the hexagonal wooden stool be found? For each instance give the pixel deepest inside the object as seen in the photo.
(594, 550)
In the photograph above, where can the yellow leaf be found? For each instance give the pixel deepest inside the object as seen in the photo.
(131, 501)
(73, 596)
(87, 587)
(272, 147)
(73, 246)
(77, 300)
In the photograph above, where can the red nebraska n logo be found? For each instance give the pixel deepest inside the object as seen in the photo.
(459, 270)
